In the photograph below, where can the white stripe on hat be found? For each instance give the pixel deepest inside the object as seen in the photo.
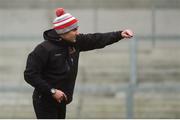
(64, 22)
(62, 17)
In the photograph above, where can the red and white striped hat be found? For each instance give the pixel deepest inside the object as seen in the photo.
(64, 22)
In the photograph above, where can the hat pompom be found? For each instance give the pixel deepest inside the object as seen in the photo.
(59, 12)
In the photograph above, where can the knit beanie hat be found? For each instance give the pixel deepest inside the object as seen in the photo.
(64, 22)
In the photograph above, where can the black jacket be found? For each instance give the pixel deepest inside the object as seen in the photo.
(54, 62)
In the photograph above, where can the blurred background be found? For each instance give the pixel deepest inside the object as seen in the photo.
(137, 78)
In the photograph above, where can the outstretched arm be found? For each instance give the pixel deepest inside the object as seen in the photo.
(87, 42)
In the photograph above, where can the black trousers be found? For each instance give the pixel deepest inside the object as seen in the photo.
(47, 107)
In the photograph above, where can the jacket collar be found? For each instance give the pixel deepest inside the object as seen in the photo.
(52, 36)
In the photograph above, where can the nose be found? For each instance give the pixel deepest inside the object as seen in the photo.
(77, 32)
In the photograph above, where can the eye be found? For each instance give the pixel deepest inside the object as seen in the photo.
(75, 29)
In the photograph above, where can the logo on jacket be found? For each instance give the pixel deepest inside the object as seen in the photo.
(58, 54)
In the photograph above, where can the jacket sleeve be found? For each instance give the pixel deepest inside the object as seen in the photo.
(34, 67)
(87, 42)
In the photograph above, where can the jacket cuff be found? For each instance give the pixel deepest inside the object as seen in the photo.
(45, 90)
(48, 91)
(118, 35)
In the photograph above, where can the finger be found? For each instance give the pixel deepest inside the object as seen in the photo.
(65, 96)
(59, 101)
(130, 33)
(126, 35)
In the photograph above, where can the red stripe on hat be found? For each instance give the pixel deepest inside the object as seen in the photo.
(62, 20)
(66, 25)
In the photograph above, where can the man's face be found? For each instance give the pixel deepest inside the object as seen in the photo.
(71, 35)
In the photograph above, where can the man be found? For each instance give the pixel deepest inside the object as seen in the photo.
(52, 66)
